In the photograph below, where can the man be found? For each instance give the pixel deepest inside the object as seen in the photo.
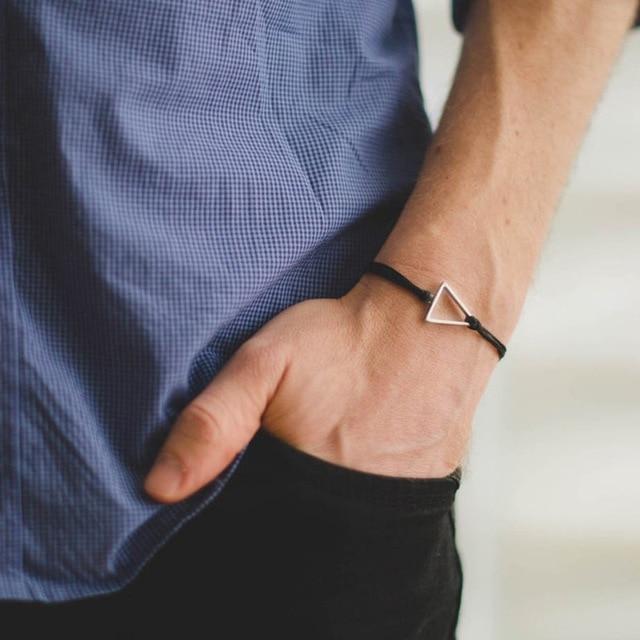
(192, 195)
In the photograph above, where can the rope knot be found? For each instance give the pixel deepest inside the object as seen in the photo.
(474, 323)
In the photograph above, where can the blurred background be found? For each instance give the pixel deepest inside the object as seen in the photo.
(549, 510)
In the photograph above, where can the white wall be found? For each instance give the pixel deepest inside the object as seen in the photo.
(549, 511)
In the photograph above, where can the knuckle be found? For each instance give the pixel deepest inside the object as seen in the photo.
(259, 356)
(200, 426)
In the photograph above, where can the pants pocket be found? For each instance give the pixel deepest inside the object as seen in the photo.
(345, 554)
(358, 490)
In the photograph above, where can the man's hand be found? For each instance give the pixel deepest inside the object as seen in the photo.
(361, 381)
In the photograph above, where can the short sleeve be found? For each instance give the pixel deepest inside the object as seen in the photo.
(460, 9)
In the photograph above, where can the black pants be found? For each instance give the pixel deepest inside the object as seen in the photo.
(293, 548)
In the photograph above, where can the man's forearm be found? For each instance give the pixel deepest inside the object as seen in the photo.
(528, 80)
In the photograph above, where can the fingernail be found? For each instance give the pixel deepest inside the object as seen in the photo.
(165, 476)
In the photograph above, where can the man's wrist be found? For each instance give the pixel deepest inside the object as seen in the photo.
(487, 286)
(388, 308)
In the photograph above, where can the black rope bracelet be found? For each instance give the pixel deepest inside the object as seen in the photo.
(431, 299)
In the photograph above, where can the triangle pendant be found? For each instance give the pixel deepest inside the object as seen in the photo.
(430, 317)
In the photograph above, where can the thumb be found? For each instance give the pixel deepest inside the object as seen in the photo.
(218, 423)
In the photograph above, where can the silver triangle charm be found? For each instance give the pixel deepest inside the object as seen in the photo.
(434, 303)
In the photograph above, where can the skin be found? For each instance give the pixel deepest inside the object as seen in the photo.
(361, 380)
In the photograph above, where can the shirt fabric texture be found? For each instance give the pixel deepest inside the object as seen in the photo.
(172, 175)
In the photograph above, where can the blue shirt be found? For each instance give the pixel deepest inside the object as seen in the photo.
(173, 173)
